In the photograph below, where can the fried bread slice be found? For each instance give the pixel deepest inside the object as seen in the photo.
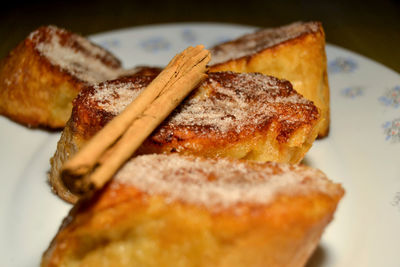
(295, 52)
(237, 115)
(174, 210)
(42, 75)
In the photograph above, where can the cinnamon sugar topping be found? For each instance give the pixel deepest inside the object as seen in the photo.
(237, 101)
(220, 183)
(255, 42)
(75, 54)
(225, 101)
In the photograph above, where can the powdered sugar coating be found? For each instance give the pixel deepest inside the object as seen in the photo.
(255, 42)
(123, 95)
(224, 102)
(75, 55)
(114, 96)
(220, 183)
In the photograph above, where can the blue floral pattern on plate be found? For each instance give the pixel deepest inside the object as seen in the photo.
(392, 130)
(342, 65)
(188, 35)
(353, 91)
(155, 44)
(391, 97)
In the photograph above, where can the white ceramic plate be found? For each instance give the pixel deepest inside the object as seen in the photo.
(362, 152)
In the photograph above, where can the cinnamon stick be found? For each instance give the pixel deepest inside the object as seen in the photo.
(103, 155)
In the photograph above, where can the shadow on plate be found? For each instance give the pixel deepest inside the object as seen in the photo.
(317, 258)
(308, 161)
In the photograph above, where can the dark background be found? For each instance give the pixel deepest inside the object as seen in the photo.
(371, 28)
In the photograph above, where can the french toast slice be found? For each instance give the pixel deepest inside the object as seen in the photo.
(237, 115)
(174, 210)
(44, 73)
(295, 52)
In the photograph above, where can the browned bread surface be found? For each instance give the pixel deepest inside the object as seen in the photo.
(237, 115)
(41, 76)
(295, 52)
(173, 210)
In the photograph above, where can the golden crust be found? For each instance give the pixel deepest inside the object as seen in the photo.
(35, 89)
(280, 130)
(301, 59)
(125, 226)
